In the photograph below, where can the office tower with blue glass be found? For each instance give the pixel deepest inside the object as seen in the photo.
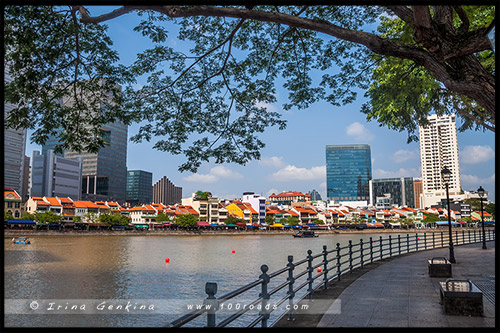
(348, 172)
(139, 187)
(104, 174)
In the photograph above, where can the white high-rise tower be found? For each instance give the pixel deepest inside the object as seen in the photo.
(438, 149)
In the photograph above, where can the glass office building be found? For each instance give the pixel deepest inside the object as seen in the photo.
(104, 174)
(348, 172)
(139, 187)
(401, 190)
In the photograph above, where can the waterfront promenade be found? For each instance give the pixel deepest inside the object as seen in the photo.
(400, 293)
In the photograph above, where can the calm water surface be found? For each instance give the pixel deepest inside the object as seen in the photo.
(133, 267)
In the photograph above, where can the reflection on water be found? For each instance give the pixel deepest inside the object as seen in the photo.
(134, 267)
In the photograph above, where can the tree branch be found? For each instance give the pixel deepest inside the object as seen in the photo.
(463, 17)
(404, 13)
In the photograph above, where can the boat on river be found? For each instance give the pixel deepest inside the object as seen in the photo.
(21, 240)
(305, 234)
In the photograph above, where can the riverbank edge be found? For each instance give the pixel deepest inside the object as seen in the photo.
(31, 233)
(333, 291)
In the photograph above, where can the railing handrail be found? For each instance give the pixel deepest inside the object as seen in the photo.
(374, 249)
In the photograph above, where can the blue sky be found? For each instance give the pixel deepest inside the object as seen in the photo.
(294, 159)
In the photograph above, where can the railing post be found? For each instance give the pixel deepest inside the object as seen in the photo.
(211, 303)
(325, 266)
(399, 244)
(416, 242)
(390, 246)
(425, 241)
(338, 261)
(264, 294)
(361, 251)
(442, 240)
(407, 243)
(433, 241)
(309, 273)
(468, 236)
(380, 245)
(463, 237)
(350, 256)
(474, 235)
(291, 281)
(456, 237)
(371, 250)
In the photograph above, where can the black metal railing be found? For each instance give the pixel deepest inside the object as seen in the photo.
(327, 266)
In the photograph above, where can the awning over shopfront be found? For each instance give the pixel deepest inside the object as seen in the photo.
(21, 221)
(276, 225)
(203, 224)
(444, 223)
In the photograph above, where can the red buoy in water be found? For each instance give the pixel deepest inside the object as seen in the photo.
(233, 251)
(319, 269)
(167, 259)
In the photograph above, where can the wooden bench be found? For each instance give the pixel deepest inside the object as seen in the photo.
(461, 297)
(439, 267)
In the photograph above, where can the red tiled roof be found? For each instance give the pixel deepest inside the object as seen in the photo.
(11, 191)
(85, 204)
(39, 201)
(65, 200)
(53, 201)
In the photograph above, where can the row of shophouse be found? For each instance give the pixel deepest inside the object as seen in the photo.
(215, 211)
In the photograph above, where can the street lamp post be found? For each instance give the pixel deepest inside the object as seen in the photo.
(480, 192)
(446, 174)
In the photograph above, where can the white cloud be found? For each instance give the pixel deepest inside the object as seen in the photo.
(476, 154)
(271, 191)
(273, 161)
(214, 175)
(201, 178)
(470, 180)
(403, 155)
(402, 172)
(291, 173)
(359, 132)
(223, 172)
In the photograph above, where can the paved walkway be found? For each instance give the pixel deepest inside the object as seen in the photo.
(400, 293)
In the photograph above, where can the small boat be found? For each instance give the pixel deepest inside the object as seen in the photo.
(21, 240)
(305, 234)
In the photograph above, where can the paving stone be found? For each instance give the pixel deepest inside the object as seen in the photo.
(410, 298)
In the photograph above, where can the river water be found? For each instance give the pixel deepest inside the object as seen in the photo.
(75, 273)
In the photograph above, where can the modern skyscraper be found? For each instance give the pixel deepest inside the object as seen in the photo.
(104, 174)
(139, 187)
(14, 150)
(54, 175)
(348, 171)
(165, 192)
(401, 190)
(26, 179)
(438, 149)
(417, 186)
(315, 196)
